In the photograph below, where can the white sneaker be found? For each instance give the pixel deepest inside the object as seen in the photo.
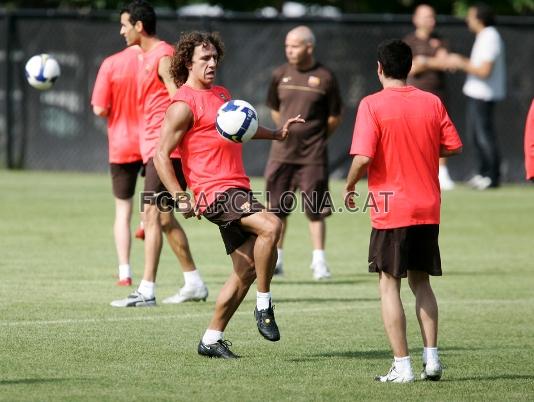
(279, 269)
(474, 181)
(479, 182)
(188, 294)
(320, 271)
(483, 183)
(445, 181)
(432, 371)
(134, 299)
(395, 376)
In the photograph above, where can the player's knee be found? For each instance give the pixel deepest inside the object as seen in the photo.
(168, 222)
(247, 273)
(273, 228)
(418, 280)
(250, 275)
(151, 215)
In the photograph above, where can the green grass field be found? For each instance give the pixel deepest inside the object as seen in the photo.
(61, 341)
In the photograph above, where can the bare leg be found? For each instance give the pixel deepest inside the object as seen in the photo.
(153, 241)
(283, 233)
(426, 307)
(267, 227)
(317, 234)
(121, 229)
(236, 287)
(393, 313)
(177, 240)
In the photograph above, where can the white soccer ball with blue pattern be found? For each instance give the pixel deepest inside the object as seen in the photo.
(237, 121)
(42, 71)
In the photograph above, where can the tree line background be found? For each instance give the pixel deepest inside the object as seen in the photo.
(458, 7)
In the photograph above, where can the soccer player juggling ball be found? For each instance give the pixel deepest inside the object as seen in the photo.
(214, 170)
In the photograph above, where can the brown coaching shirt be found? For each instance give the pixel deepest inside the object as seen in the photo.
(314, 94)
(429, 80)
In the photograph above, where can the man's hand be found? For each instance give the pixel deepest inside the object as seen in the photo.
(348, 197)
(282, 133)
(186, 205)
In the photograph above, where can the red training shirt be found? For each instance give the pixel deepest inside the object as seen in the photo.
(529, 143)
(402, 129)
(153, 99)
(210, 163)
(115, 90)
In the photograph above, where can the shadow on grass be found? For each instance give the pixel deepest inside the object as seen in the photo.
(349, 354)
(283, 281)
(491, 378)
(329, 299)
(26, 381)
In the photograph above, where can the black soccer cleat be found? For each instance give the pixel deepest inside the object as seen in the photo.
(266, 324)
(218, 349)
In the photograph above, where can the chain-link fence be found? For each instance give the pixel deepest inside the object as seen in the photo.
(56, 129)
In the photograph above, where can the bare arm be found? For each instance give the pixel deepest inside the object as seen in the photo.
(357, 170)
(457, 61)
(275, 115)
(332, 124)
(164, 72)
(177, 122)
(483, 71)
(443, 153)
(101, 111)
(438, 62)
(280, 134)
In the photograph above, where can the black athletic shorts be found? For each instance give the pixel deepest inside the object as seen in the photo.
(283, 179)
(226, 212)
(124, 177)
(396, 251)
(153, 182)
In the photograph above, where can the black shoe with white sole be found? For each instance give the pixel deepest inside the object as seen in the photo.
(266, 324)
(219, 349)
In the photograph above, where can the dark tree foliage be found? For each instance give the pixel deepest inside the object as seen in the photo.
(502, 7)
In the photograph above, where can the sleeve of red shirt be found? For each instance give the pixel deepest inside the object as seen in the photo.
(366, 132)
(529, 143)
(450, 139)
(102, 90)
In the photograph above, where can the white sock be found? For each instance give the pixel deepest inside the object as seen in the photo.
(212, 336)
(403, 364)
(280, 258)
(263, 300)
(192, 279)
(319, 256)
(430, 354)
(147, 289)
(125, 271)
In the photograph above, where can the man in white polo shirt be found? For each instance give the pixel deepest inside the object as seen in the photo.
(485, 84)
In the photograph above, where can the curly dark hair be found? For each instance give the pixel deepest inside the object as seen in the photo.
(184, 49)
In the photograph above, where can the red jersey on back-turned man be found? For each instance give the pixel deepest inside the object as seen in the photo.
(153, 99)
(529, 143)
(115, 90)
(402, 130)
(210, 163)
